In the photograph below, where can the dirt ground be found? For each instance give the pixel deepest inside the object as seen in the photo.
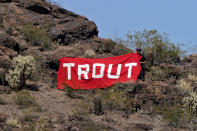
(59, 110)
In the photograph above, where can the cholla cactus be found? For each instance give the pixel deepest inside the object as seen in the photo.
(190, 103)
(22, 69)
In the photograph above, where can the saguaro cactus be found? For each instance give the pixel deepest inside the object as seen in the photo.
(97, 105)
(2, 76)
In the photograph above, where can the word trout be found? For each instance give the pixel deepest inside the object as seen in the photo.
(84, 69)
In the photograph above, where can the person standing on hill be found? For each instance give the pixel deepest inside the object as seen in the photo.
(142, 62)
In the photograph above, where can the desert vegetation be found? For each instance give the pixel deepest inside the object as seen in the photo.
(29, 51)
(37, 37)
(22, 70)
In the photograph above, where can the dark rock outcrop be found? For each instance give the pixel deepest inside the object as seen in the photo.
(62, 25)
(5, 1)
(7, 41)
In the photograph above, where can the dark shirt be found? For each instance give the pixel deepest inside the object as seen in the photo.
(143, 58)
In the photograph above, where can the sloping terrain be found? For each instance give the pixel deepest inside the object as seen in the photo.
(48, 32)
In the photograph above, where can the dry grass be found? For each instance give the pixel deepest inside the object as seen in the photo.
(13, 122)
(81, 111)
(192, 78)
(116, 97)
(185, 85)
(2, 101)
(89, 53)
(29, 116)
(25, 100)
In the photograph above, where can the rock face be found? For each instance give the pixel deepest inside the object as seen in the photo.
(190, 64)
(63, 25)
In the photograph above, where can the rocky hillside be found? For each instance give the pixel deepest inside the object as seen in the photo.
(47, 32)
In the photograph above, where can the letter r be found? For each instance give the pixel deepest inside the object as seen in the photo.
(84, 72)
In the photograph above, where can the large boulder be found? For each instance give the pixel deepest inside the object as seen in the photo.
(37, 6)
(192, 58)
(5, 62)
(7, 41)
(73, 31)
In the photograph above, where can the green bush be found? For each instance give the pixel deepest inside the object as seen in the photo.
(70, 92)
(157, 47)
(37, 37)
(109, 45)
(116, 98)
(25, 100)
(115, 48)
(120, 49)
(22, 69)
(175, 115)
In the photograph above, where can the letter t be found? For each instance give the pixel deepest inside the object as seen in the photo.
(69, 65)
(130, 65)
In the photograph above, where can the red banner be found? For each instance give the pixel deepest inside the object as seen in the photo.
(87, 73)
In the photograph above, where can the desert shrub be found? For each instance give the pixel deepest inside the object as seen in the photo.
(188, 84)
(89, 53)
(69, 91)
(175, 115)
(13, 122)
(25, 100)
(37, 37)
(80, 112)
(115, 47)
(22, 69)
(178, 116)
(29, 116)
(109, 45)
(157, 73)
(164, 73)
(185, 85)
(192, 78)
(120, 49)
(2, 101)
(116, 98)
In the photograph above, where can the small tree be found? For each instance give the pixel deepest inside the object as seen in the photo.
(22, 69)
(156, 45)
